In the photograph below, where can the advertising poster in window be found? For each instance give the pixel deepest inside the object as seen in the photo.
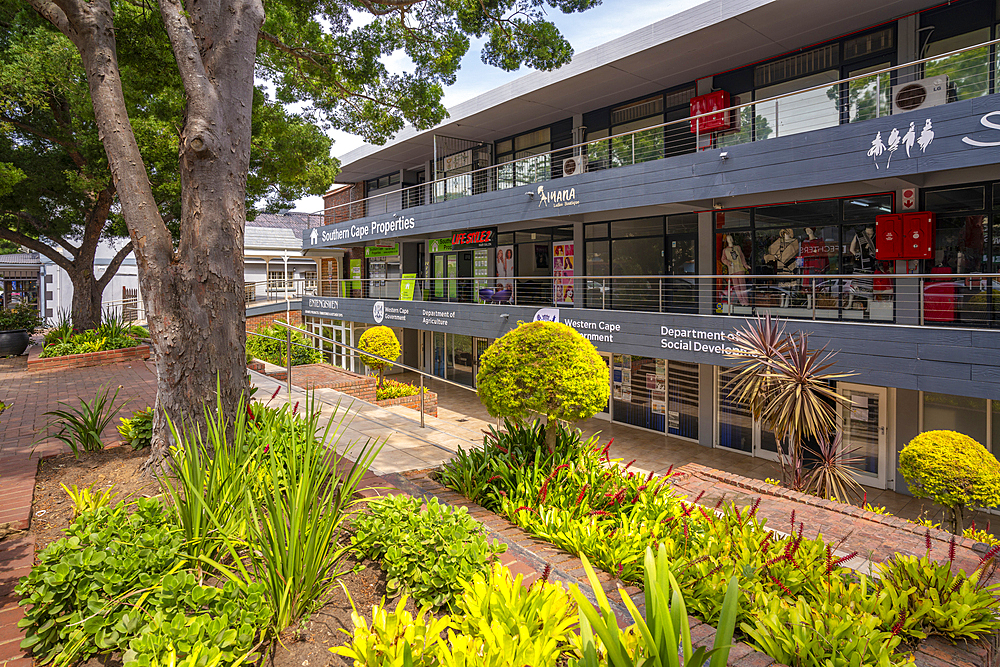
(562, 271)
(452, 275)
(481, 270)
(505, 269)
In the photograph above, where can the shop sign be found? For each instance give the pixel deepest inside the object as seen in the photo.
(886, 147)
(363, 232)
(439, 245)
(407, 287)
(382, 250)
(476, 238)
(556, 198)
(457, 161)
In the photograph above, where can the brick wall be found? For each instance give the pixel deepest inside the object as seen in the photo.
(88, 359)
(333, 204)
(430, 403)
(258, 321)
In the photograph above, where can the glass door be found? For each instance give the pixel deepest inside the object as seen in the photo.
(735, 428)
(680, 295)
(479, 346)
(864, 426)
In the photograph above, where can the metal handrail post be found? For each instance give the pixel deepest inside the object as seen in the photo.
(421, 400)
(288, 375)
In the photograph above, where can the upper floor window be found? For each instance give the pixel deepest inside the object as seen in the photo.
(529, 154)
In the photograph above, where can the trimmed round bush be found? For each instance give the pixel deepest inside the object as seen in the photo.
(543, 368)
(383, 342)
(953, 470)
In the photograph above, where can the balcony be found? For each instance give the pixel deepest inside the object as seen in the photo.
(964, 301)
(858, 118)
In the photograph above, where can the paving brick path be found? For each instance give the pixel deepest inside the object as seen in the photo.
(22, 426)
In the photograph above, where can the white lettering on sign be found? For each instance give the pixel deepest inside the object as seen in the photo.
(398, 223)
(607, 330)
(987, 123)
(690, 340)
(439, 317)
(557, 198)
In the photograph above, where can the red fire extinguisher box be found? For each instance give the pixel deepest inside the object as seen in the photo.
(889, 236)
(918, 235)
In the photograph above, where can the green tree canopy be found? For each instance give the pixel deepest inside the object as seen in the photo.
(57, 194)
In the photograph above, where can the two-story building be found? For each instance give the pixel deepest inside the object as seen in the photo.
(832, 164)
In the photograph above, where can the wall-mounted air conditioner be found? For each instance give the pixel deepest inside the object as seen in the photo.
(574, 165)
(920, 94)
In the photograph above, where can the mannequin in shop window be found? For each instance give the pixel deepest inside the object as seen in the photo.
(814, 262)
(784, 252)
(863, 249)
(736, 264)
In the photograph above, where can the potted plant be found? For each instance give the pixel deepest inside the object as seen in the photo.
(16, 327)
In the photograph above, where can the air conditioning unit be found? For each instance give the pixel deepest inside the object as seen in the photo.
(920, 94)
(574, 165)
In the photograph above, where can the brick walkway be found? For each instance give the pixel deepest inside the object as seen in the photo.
(28, 396)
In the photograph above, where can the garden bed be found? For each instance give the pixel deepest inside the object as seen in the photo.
(307, 643)
(36, 363)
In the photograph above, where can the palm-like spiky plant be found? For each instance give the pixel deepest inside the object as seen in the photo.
(832, 478)
(787, 388)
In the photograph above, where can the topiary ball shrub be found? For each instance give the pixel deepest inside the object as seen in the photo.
(383, 342)
(953, 470)
(543, 368)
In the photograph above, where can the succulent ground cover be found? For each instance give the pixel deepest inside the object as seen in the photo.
(799, 602)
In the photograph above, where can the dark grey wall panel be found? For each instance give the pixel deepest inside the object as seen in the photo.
(822, 157)
(880, 354)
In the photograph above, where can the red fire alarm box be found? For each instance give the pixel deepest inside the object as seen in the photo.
(889, 236)
(706, 104)
(918, 235)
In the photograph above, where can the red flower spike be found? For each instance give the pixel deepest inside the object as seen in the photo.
(629, 464)
(685, 530)
(275, 392)
(951, 550)
(296, 408)
(649, 477)
(829, 559)
(599, 513)
(619, 570)
(583, 492)
(546, 572)
(669, 470)
(698, 497)
(781, 586)
(927, 539)
(753, 509)
(973, 525)
(793, 519)
(718, 504)
(493, 478)
(523, 507)
(846, 558)
(544, 491)
(899, 623)
(994, 550)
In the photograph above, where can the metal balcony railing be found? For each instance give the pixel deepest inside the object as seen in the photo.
(966, 74)
(971, 300)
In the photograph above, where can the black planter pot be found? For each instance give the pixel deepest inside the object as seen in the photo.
(14, 342)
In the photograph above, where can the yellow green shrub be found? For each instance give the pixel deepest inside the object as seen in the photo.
(380, 341)
(953, 470)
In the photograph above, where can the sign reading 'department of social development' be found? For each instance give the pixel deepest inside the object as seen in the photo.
(704, 339)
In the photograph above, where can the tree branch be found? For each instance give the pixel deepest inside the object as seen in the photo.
(186, 53)
(36, 245)
(113, 266)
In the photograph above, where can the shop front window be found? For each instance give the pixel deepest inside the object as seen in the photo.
(638, 391)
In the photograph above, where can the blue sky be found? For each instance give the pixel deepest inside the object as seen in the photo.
(612, 19)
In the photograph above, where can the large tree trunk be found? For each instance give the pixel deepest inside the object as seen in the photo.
(194, 293)
(87, 297)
